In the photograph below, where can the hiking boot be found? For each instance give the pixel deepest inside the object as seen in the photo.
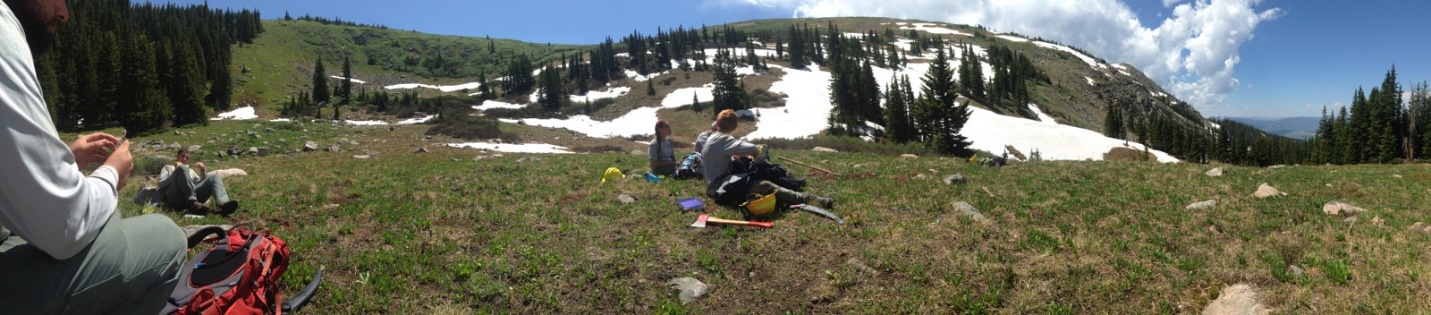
(228, 207)
(825, 202)
(198, 208)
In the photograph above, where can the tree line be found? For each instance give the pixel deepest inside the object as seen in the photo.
(144, 67)
(1380, 127)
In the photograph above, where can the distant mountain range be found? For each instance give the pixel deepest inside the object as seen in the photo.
(1292, 127)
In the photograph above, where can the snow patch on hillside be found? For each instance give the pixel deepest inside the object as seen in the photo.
(1090, 81)
(1013, 38)
(241, 113)
(340, 78)
(444, 88)
(805, 110)
(682, 96)
(640, 121)
(991, 132)
(512, 148)
(933, 29)
(1086, 59)
(490, 104)
(596, 95)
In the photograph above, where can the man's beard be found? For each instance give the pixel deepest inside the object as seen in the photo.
(39, 39)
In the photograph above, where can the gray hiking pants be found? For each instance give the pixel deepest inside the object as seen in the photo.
(129, 268)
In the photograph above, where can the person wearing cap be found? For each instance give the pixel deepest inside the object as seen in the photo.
(662, 155)
(724, 186)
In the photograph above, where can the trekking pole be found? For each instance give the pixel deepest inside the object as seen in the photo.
(810, 166)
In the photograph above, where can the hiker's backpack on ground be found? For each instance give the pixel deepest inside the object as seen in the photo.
(239, 275)
(690, 167)
(764, 170)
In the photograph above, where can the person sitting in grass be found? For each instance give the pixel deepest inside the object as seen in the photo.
(731, 188)
(701, 139)
(662, 155)
(183, 188)
(64, 248)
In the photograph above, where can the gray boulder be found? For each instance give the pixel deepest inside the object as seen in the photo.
(690, 288)
(956, 179)
(966, 209)
(310, 146)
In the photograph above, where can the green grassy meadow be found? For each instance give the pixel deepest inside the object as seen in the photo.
(445, 232)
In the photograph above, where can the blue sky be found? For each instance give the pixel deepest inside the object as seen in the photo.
(1270, 58)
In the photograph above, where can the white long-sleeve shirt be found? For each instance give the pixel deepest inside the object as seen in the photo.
(44, 197)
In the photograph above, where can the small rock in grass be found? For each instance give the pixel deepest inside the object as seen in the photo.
(624, 198)
(1336, 207)
(823, 149)
(1215, 172)
(1419, 227)
(1236, 299)
(1202, 205)
(956, 179)
(964, 208)
(861, 266)
(1264, 191)
(691, 289)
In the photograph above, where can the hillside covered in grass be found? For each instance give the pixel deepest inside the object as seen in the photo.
(462, 231)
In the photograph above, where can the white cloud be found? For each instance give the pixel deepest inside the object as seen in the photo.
(1192, 53)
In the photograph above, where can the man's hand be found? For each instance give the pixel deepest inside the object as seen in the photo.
(201, 168)
(91, 150)
(122, 162)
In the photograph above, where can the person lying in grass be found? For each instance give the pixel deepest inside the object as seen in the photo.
(731, 188)
(662, 155)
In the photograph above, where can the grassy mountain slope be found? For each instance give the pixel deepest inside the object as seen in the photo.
(282, 60)
(447, 233)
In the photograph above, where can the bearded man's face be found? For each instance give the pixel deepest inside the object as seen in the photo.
(41, 19)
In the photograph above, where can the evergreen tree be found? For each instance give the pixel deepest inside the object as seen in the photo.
(937, 113)
(1325, 142)
(1113, 122)
(320, 84)
(650, 88)
(1346, 151)
(1419, 120)
(898, 128)
(146, 107)
(346, 89)
(727, 92)
(551, 95)
(695, 102)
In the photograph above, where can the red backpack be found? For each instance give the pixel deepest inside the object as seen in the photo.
(239, 275)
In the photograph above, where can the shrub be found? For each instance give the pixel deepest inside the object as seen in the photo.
(466, 127)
